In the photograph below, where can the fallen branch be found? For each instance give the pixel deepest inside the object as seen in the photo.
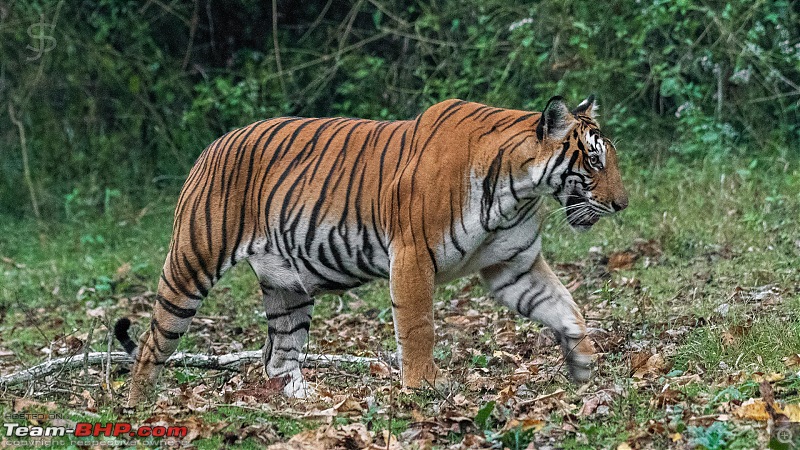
(229, 361)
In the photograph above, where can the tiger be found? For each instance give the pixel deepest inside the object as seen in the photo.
(320, 205)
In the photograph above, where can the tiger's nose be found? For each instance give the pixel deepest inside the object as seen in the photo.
(619, 205)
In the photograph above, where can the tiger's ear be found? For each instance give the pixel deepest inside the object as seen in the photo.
(587, 107)
(556, 120)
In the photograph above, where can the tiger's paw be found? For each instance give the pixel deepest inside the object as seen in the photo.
(430, 377)
(580, 368)
(297, 387)
(579, 355)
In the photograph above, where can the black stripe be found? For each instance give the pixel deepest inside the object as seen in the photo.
(155, 347)
(425, 239)
(286, 350)
(510, 283)
(446, 114)
(490, 114)
(300, 326)
(245, 192)
(171, 335)
(235, 168)
(179, 291)
(532, 301)
(321, 201)
(175, 310)
(520, 119)
(289, 310)
(475, 111)
(193, 275)
(489, 186)
(453, 237)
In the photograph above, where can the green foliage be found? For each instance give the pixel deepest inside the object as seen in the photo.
(714, 437)
(184, 376)
(131, 94)
(517, 438)
(480, 361)
(483, 417)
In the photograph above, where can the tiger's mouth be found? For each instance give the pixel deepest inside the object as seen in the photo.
(580, 214)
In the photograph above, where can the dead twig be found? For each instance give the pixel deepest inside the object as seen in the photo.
(566, 357)
(440, 394)
(391, 405)
(86, 345)
(110, 341)
(26, 169)
(192, 31)
(277, 47)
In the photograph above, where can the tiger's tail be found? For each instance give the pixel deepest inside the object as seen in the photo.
(121, 333)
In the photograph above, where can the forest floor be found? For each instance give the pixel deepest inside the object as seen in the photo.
(692, 295)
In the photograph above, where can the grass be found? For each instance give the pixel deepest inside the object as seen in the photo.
(715, 294)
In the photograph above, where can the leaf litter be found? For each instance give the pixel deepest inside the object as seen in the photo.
(492, 356)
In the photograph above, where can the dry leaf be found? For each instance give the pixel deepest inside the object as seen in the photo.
(621, 260)
(506, 393)
(390, 439)
(21, 404)
(768, 377)
(348, 436)
(752, 409)
(667, 396)
(792, 361)
(380, 369)
(347, 405)
(757, 409)
(259, 392)
(558, 393)
(592, 402)
(642, 368)
(791, 411)
(526, 424)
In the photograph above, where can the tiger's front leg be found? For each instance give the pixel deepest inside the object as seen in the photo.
(411, 287)
(538, 294)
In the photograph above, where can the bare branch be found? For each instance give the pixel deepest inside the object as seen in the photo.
(277, 47)
(26, 169)
(228, 361)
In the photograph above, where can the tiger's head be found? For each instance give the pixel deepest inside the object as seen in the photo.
(582, 173)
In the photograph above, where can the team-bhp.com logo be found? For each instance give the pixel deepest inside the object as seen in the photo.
(85, 429)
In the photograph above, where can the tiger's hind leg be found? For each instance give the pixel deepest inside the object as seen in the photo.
(288, 307)
(185, 282)
(172, 314)
(289, 318)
